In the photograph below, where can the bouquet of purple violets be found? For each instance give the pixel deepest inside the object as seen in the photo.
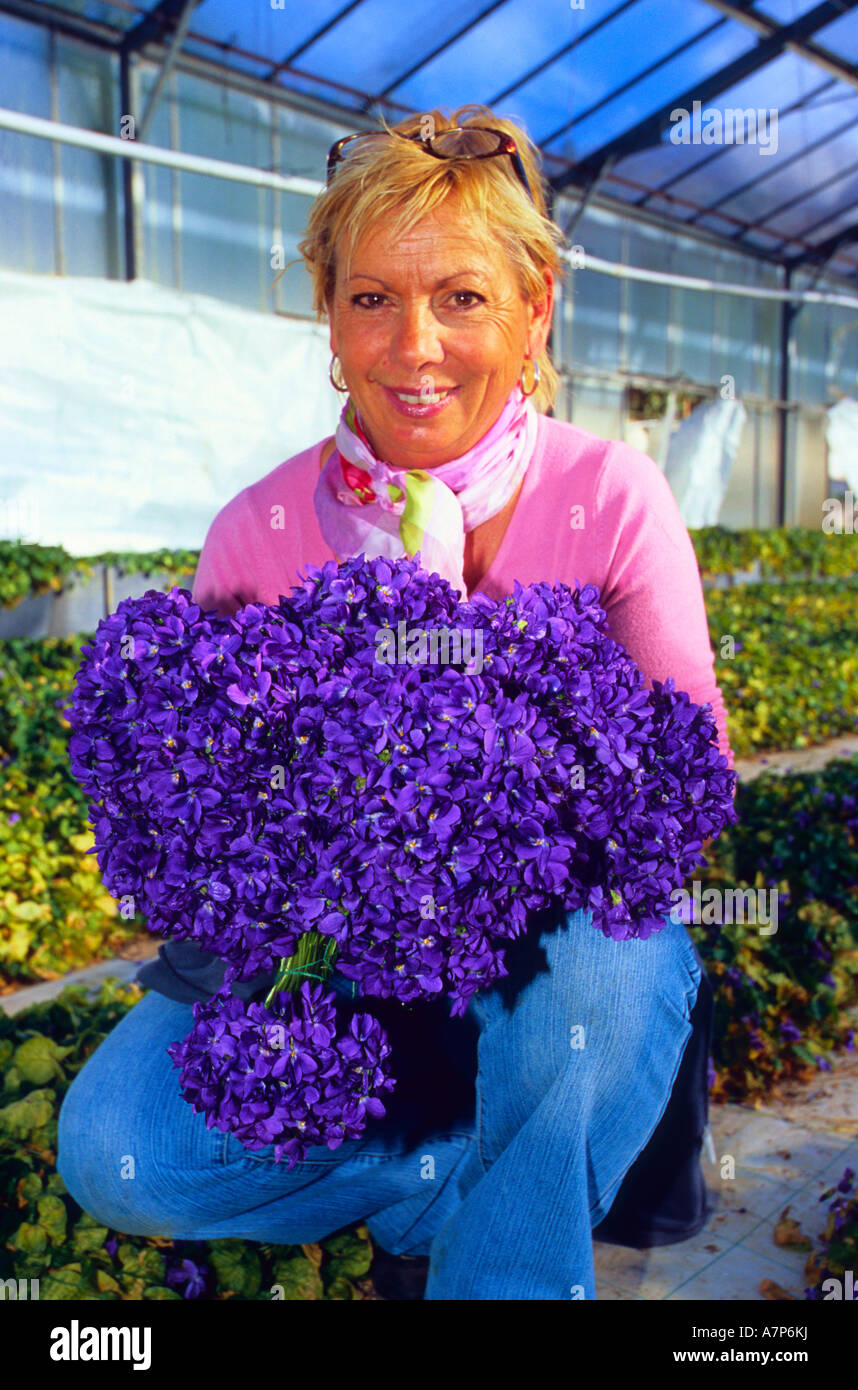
(374, 777)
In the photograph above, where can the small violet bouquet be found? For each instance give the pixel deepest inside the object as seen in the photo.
(337, 782)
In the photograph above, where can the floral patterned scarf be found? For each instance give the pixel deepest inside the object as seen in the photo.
(365, 505)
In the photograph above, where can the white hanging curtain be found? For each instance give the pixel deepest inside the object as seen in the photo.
(841, 436)
(700, 459)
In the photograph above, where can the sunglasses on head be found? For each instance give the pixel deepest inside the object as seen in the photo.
(463, 142)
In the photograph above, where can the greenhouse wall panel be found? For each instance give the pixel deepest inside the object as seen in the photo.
(91, 182)
(810, 475)
(767, 467)
(225, 226)
(598, 409)
(27, 193)
(738, 507)
(751, 497)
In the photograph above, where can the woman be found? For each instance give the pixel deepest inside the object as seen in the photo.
(510, 1131)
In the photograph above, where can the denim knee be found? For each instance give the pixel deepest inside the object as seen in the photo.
(104, 1148)
(79, 1162)
(90, 1169)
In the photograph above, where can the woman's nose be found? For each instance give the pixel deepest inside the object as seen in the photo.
(418, 336)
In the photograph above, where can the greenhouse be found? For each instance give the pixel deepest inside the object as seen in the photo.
(218, 463)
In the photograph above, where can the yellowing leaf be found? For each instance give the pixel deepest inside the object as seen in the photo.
(789, 1233)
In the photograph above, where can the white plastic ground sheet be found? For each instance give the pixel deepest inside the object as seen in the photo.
(131, 413)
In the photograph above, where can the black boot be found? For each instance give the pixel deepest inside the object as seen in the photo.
(399, 1277)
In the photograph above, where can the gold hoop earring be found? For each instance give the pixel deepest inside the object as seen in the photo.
(534, 367)
(335, 384)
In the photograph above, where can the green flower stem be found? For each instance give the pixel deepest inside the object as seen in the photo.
(293, 969)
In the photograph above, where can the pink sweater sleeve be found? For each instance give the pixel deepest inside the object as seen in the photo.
(652, 592)
(225, 579)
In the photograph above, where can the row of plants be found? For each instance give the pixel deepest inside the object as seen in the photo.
(781, 1002)
(788, 551)
(789, 680)
(782, 551)
(44, 1233)
(28, 569)
(55, 915)
(789, 677)
(782, 996)
(797, 834)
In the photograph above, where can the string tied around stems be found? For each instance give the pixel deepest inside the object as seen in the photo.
(293, 969)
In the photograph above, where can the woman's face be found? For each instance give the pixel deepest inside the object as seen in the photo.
(438, 311)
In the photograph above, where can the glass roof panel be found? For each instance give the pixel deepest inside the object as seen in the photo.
(635, 49)
(272, 33)
(784, 11)
(120, 16)
(841, 37)
(496, 54)
(604, 68)
(374, 45)
(767, 167)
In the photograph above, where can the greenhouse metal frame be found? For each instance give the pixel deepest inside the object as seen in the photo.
(757, 281)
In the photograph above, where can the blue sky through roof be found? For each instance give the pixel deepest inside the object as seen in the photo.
(615, 44)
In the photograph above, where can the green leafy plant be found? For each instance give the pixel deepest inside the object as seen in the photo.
(44, 1233)
(837, 1258)
(793, 680)
(783, 551)
(28, 569)
(782, 999)
(54, 913)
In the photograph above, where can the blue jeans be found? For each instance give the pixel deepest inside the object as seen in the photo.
(564, 1069)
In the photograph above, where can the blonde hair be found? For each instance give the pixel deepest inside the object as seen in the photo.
(395, 181)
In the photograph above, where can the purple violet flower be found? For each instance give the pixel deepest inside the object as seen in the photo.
(188, 1277)
(257, 777)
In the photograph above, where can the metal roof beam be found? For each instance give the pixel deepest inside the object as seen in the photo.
(811, 193)
(64, 22)
(805, 48)
(560, 53)
(314, 38)
(649, 131)
(439, 48)
(719, 153)
(624, 206)
(776, 169)
(638, 77)
(167, 65)
(588, 194)
(829, 216)
(828, 249)
(157, 26)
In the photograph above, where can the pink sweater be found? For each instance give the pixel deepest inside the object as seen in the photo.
(590, 511)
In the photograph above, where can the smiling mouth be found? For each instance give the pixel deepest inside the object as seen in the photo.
(422, 401)
(418, 398)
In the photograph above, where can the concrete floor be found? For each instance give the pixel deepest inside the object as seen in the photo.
(786, 1153)
(797, 759)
